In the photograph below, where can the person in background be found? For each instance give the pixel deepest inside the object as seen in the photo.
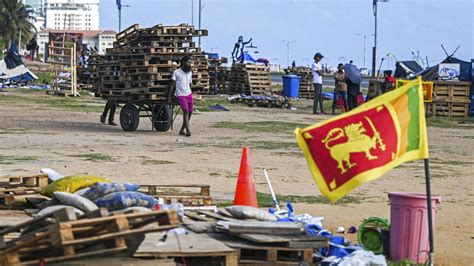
(32, 47)
(340, 89)
(111, 106)
(317, 71)
(181, 87)
(389, 81)
(353, 91)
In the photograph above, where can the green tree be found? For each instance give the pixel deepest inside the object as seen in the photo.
(15, 18)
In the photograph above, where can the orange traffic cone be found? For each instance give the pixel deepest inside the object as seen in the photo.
(245, 192)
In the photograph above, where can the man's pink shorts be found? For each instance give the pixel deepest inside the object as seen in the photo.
(186, 102)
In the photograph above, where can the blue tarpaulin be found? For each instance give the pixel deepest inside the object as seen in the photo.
(247, 57)
(12, 68)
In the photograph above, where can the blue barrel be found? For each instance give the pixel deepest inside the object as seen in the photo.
(291, 86)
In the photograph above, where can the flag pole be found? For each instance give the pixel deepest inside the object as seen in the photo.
(430, 210)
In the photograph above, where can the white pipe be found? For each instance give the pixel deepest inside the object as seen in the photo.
(275, 201)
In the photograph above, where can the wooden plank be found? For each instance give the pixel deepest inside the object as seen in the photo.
(260, 227)
(192, 244)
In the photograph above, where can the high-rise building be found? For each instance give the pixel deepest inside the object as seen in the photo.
(38, 14)
(72, 14)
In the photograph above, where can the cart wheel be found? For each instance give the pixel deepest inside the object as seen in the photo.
(163, 117)
(129, 117)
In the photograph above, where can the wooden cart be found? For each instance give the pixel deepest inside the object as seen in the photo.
(160, 111)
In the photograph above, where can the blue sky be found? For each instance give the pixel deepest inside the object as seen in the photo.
(327, 26)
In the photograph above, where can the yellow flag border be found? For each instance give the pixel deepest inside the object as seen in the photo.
(375, 173)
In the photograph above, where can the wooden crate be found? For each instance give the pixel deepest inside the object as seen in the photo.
(188, 195)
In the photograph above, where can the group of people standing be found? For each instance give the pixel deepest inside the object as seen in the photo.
(344, 87)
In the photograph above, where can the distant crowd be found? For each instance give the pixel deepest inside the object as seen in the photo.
(347, 93)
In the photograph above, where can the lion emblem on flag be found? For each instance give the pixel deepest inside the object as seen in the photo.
(357, 141)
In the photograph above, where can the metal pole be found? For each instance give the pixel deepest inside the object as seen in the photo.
(274, 198)
(200, 9)
(430, 214)
(120, 18)
(192, 12)
(365, 47)
(288, 53)
(374, 49)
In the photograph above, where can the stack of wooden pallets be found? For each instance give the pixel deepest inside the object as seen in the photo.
(142, 60)
(223, 79)
(450, 99)
(250, 79)
(306, 81)
(87, 73)
(214, 65)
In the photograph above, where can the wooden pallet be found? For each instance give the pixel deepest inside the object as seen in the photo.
(188, 195)
(451, 91)
(15, 187)
(448, 109)
(69, 238)
(196, 249)
(254, 254)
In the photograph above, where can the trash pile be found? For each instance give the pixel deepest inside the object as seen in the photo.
(273, 101)
(86, 216)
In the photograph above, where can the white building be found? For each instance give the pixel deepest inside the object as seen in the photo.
(100, 40)
(72, 14)
(38, 14)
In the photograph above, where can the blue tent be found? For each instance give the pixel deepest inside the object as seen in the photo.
(13, 69)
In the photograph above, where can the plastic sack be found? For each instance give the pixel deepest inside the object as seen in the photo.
(72, 184)
(100, 189)
(52, 175)
(244, 212)
(122, 200)
(51, 209)
(75, 201)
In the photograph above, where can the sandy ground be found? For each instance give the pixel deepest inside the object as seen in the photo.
(34, 136)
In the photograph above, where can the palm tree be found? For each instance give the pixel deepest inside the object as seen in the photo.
(15, 18)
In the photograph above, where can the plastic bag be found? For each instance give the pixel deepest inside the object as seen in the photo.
(51, 209)
(100, 189)
(75, 201)
(122, 200)
(72, 184)
(243, 212)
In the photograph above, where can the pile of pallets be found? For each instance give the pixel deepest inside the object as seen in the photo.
(250, 79)
(224, 76)
(214, 65)
(70, 237)
(143, 60)
(450, 99)
(88, 74)
(306, 81)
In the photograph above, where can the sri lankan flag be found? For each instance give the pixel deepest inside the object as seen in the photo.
(363, 144)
